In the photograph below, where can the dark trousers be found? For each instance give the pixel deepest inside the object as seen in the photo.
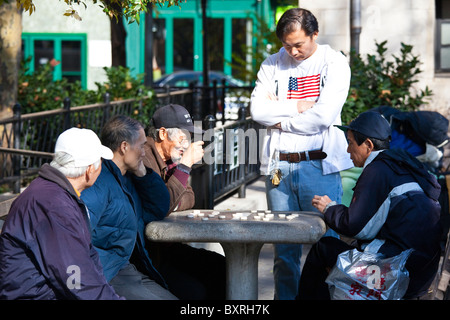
(321, 258)
(190, 273)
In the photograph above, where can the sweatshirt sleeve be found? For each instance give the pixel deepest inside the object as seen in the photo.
(329, 105)
(264, 110)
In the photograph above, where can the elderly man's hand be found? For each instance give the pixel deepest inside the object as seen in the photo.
(193, 154)
(320, 202)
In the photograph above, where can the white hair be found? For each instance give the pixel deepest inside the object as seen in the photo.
(64, 162)
(172, 133)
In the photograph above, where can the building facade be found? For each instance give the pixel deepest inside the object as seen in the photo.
(84, 47)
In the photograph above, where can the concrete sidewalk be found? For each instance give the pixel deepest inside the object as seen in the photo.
(255, 198)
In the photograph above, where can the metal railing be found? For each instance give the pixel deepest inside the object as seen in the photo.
(217, 100)
(27, 141)
(232, 163)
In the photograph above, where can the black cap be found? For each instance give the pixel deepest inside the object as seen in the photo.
(174, 116)
(371, 124)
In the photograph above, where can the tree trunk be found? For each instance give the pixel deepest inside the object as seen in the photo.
(10, 56)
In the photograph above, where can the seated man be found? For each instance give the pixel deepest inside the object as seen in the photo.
(45, 246)
(191, 273)
(395, 199)
(119, 215)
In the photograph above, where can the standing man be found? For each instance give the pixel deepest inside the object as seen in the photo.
(119, 214)
(395, 200)
(299, 95)
(45, 245)
(191, 273)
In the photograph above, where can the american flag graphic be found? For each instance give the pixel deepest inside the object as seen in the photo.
(304, 87)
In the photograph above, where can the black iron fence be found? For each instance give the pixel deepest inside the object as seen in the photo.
(219, 100)
(231, 162)
(27, 140)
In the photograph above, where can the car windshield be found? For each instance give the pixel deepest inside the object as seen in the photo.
(184, 79)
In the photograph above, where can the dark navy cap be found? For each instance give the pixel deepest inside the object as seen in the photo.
(174, 116)
(371, 124)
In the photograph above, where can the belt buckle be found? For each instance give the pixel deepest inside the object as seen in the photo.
(299, 158)
(288, 157)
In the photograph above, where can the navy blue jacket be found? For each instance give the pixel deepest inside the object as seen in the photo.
(120, 206)
(395, 199)
(45, 245)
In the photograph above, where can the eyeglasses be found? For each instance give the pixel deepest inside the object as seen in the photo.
(184, 142)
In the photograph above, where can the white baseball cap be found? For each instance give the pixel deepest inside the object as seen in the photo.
(83, 145)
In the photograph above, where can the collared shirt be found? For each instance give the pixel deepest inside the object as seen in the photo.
(371, 156)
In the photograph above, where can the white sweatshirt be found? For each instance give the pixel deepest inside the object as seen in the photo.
(324, 78)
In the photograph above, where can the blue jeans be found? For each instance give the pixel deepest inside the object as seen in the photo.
(299, 183)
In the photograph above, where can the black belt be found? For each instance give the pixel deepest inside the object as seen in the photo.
(303, 156)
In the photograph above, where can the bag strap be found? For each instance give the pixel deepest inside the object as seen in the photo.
(374, 246)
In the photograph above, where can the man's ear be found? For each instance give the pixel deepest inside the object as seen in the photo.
(369, 145)
(162, 133)
(89, 171)
(124, 146)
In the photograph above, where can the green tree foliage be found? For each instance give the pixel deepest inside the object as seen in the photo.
(130, 9)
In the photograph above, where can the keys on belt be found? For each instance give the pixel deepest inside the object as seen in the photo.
(303, 156)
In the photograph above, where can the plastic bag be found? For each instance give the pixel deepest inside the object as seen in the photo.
(368, 276)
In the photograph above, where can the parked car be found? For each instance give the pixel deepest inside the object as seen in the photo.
(234, 98)
(185, 78)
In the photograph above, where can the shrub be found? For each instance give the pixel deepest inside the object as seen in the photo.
(377, 81)
(122, 85)
(39, 92)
